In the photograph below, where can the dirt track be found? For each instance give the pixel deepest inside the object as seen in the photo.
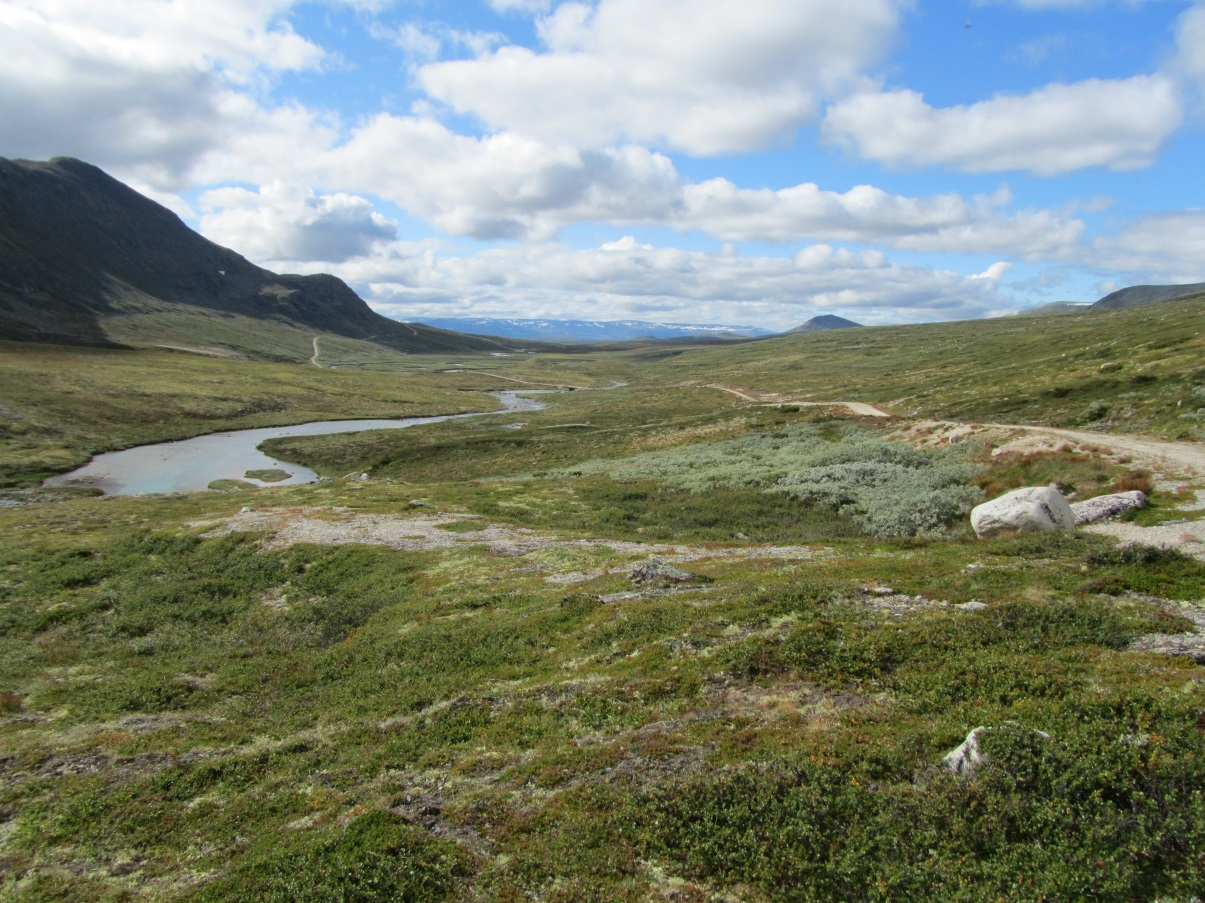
(1167, 458)
(778, 400)
(1173, 464)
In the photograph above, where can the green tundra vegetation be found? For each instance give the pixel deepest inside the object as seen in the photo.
(461, 679)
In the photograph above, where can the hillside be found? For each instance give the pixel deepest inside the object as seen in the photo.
(1137, 295)
(86, 260)
(1131, 369)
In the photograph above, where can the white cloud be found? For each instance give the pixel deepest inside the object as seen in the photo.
(1119, 124)
(1164, 247)
(529, 7)
(509, 187)
(279, 223)
(1190, 44)
(704, 76)
(499, 186)
(142, 86)
(866, 214)
(625, 278)
(426, 42)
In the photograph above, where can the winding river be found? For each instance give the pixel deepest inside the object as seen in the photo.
(190, 465)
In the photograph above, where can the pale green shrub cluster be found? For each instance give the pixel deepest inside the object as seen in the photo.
(889, 499)
(889, 488)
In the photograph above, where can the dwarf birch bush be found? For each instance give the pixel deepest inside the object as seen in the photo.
(889, 488)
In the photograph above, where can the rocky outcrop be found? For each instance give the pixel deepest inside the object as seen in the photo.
(1105, 506)
(1032, 508)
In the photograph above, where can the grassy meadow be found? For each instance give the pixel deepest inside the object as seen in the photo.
(461, 680)
(1135, 369)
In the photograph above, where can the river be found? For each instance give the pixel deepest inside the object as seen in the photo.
(190, 465)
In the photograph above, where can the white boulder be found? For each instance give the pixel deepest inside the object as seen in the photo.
(964, 760)
(1106, 506)
(1032, 508)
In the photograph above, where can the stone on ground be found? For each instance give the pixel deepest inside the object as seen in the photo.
(656, 572)
(1105, 506)
(1032, 508)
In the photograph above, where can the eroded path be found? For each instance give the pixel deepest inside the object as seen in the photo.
(777, 399)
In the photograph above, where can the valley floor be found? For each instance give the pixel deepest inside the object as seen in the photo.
(642, 645)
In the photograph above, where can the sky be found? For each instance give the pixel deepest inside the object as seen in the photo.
(748, 162)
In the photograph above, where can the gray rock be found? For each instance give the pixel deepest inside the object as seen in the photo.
(656, 572)
(1032, 508)
(973, 605)
(964, 760)
(1106, 506)
(420, 503)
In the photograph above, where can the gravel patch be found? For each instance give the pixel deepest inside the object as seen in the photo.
(1190, 645)
(427, 532)
(1189, 536)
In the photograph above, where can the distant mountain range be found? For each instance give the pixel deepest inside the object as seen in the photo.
(590, 330)
(87, 260)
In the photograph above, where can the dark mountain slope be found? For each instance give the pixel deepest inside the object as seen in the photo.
(1147, 294)
(84, 259)
(822, 322)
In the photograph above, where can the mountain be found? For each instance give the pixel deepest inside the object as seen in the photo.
(590, 330)
(825, 321)
(1147, 294)
(84, 259)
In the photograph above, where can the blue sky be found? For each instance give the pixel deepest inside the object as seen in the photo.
(754, 162)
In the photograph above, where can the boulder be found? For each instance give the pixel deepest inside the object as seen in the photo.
(967, 756)
(1032, 508)
(964, 760)
(1106, 506)
(655, 572)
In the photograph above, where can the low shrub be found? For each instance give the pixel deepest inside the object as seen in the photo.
(888, 488)
(378, 857)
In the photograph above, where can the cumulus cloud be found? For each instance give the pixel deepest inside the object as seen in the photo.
(506, 186)
(704, 76)
(1115, 123)
(1163, 247)
(145, 86)
(626, 278)
(866, 214)
(521, 6)
(279, 223)
(1190, 44)
(503, 185)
